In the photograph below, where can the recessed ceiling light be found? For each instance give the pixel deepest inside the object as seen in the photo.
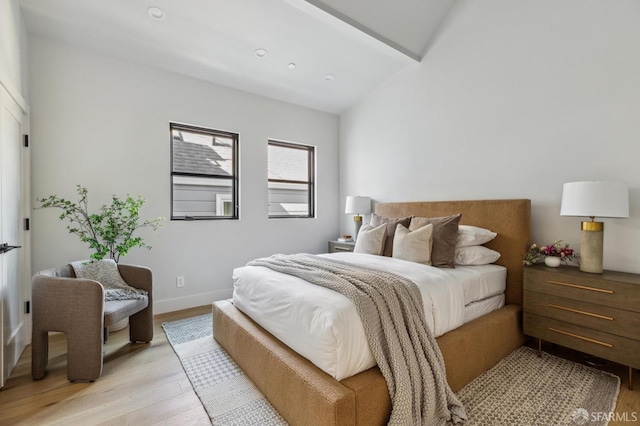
(156, 13)
(261, 53)
(329, 77)
(291, 66)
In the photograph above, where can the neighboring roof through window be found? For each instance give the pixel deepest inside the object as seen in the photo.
(286, 163)
(203, 154)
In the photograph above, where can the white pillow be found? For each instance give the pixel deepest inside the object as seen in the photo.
(371, 240)
(475, 255)
(413, 246)
(473, 236)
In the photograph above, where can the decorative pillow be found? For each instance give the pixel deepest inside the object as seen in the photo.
(371, 240)
(391, 229)
(413, 246)
(106, 272)
(473, 236)
(445, 234)
(475, 255)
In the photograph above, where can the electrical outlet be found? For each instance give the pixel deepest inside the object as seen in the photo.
(180, 281)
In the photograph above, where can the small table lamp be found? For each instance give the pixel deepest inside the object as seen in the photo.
(591, 199)
(357, 205)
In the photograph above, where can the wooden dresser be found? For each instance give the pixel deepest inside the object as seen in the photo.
(598, 314)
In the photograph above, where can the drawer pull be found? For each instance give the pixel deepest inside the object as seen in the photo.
(566, 333)
(336, 248)
(577, 311)
(582, 287)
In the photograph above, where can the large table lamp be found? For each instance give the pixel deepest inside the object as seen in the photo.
(594, 199)
(357, 205)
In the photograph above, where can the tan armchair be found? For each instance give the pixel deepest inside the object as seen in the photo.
(76, 307)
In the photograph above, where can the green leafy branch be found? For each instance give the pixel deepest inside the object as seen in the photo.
(108, 232)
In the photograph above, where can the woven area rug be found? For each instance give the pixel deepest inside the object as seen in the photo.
(523, 389)
(227, 394)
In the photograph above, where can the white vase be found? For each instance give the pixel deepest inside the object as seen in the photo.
(552, 261)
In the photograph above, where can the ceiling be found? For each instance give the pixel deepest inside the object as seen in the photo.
(361, 43)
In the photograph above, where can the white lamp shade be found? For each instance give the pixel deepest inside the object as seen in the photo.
(595, 199)
(358, 205)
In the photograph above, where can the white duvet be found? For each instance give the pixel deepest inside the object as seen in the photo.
(323, 325)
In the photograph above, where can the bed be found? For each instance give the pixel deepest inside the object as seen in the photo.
(323, 325)
(304, 394)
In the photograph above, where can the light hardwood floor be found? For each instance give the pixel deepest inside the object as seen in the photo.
(141, 384)
(145, 384)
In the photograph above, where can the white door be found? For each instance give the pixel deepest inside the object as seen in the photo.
(15, 286)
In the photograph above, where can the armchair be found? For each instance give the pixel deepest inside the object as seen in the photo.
(76, 307)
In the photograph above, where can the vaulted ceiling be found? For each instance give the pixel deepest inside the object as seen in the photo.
(340, 49)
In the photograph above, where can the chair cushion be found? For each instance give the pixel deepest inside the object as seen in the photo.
(116, 310)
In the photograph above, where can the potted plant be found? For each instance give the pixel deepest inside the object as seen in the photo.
(554, 254)
(109, 232)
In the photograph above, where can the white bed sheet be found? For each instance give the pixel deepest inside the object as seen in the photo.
(484, 281)
(482, 307)
(323, 325)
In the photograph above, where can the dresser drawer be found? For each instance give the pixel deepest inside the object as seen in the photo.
(338, 247)
(608, 346)
(601, 289)
(597, 317)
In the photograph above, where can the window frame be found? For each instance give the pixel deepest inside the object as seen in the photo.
(234, 178)
(311, 177)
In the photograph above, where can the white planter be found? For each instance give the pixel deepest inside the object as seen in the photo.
(552, 261)
(120, 325)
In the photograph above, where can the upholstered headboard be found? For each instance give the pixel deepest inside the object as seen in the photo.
(510, 219)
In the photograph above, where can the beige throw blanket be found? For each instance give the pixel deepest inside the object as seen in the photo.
(391, 310)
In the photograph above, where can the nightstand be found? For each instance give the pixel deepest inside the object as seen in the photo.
(598, 314)
(337, 246)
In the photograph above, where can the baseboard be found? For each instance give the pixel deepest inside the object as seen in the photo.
(192, 301)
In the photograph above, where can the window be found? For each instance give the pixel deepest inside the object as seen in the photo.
(291, 180)
(204, 173)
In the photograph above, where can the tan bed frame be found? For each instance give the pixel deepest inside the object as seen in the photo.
(305, 395)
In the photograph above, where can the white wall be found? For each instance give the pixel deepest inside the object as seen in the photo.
(512, 100)
(13, 50)
(104, 123)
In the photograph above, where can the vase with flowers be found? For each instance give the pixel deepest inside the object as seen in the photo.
(554, 254)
